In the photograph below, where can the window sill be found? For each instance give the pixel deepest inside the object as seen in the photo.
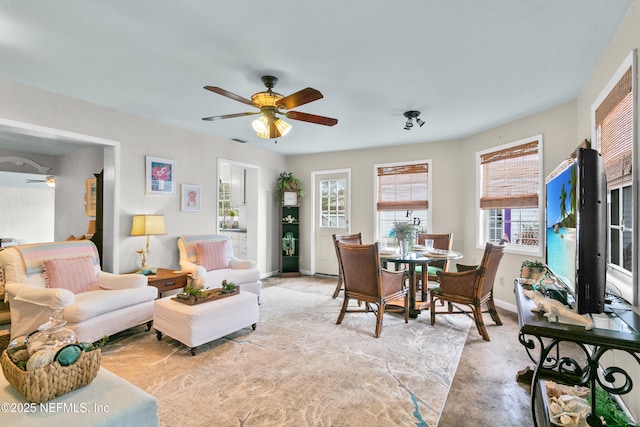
(532, 251)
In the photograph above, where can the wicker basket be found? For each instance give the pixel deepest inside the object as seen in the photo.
(53, 380)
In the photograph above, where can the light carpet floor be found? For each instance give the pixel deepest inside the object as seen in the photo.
(298, 368)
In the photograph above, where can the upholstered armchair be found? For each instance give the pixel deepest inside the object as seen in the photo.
(366, 281)
(67, 276)
(209, 259)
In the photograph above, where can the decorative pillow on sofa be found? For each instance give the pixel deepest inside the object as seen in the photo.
(212, 255)
(74, 274)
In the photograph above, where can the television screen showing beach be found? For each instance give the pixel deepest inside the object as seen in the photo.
(561, 225)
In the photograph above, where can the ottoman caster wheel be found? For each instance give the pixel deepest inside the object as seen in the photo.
(159, 335)
(254, 326)
(193, 350)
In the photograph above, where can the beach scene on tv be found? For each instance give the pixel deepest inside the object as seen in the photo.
(561, 225)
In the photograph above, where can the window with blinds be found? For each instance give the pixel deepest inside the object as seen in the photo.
(510, 179)
(402, 195)
(614, 122)
(614, 130)
(403, 187)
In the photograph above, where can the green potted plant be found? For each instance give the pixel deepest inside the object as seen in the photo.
(403, 232)
(287, 182)
(531, 269)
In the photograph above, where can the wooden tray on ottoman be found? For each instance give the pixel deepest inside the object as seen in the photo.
(211, 295)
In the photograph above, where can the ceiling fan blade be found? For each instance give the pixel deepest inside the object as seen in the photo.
(220, 91)
(301, 97)
(311, 118)
(229, 116)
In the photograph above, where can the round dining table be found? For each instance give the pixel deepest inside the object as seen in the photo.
(411, 260)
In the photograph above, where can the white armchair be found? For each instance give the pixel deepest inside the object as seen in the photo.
(45, 276)
(221, 265)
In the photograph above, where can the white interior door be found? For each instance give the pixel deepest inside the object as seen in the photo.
(332, 216)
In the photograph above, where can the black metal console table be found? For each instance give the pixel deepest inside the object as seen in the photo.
(542, 339)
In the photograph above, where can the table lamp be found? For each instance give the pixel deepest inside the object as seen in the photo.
(147, 225)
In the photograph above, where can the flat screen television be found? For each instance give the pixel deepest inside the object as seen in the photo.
(576, 223)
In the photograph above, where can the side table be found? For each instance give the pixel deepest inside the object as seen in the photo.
(167, 280)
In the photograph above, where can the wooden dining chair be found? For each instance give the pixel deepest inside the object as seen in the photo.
(440, 241)
(352, 239)
(471, 288)
(365, 280)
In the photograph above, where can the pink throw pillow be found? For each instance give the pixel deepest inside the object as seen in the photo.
(74, 274)
(212, 255)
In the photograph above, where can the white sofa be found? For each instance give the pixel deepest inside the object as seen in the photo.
(243, 273)
(120, 301)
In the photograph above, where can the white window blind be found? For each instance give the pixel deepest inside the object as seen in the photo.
(614, 117)
(403, 187)
(510, 177)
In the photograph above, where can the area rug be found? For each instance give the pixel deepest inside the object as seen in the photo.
(298, 368)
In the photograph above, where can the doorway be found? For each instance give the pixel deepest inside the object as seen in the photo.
(331, 199)
(34, 138)
(238, 206)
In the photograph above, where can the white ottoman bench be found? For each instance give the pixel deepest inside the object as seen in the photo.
(194, 325)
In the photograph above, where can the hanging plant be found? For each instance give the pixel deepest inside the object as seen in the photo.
(287, 182)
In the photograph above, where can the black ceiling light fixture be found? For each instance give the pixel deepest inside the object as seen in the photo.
(410, 115)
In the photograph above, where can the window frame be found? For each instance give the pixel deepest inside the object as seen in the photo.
(482, 215)
(376, 214)
(334, 212)
(618, 278)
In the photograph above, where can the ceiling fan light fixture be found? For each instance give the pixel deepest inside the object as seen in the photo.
(282, 126)
(261, 126)
(266, 99)
(419, 121)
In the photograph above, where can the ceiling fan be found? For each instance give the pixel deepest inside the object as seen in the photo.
(50, 180)
(271, 104)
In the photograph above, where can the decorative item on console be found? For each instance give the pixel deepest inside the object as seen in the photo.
(533, 271)
(553, 308)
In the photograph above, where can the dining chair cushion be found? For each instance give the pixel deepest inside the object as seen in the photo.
(74, 274)
(212, 255)
(464, 267)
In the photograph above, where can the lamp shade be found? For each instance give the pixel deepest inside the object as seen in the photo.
(145, 225)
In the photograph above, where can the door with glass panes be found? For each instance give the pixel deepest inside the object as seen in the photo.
(332, 217)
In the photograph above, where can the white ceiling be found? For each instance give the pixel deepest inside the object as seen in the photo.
(467, 65)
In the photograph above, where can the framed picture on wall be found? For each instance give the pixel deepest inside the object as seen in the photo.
(90, 197)
(190, 198)
(160, 176)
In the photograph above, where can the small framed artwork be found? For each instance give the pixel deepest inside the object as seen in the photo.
(190, 198)
(290, 198)
(160, 176)
(90, 190)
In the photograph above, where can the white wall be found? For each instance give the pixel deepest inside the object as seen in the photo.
(72, 171)
(196, 163)
(27, 214)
